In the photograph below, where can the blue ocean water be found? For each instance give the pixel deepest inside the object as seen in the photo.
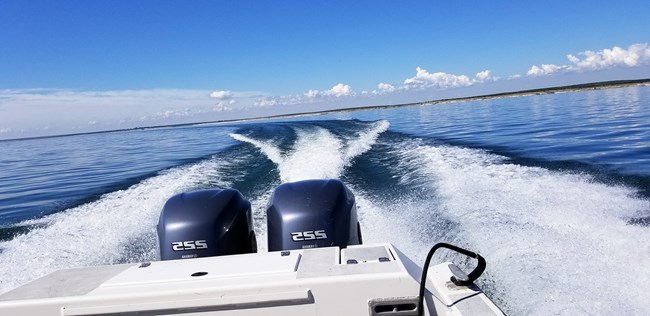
(554, 190)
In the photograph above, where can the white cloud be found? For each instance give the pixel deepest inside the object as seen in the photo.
(222, 95)
(313, 93)
(224, 106)
(385, 87)
(425, 79)
(338, 90)
(286, 99)
(312, 96)
(634, 55)
(484, 75)
(266, 102)
(6, 130)
(545, 69)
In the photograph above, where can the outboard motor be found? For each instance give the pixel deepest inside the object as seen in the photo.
(310, 214)
(206, 223)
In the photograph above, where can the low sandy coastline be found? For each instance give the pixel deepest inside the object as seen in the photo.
(552, 90)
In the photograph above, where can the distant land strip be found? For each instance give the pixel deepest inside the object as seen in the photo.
(571, 88)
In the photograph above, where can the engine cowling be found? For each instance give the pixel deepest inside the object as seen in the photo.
(311, 214)
(205, 223)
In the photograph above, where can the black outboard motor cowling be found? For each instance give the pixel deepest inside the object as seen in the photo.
(310, 214)
(206, 223)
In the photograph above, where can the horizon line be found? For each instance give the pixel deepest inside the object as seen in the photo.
(600, 85)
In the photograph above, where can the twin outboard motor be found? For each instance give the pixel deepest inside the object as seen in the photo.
(206, 223)
(311, 214)
(305, 214)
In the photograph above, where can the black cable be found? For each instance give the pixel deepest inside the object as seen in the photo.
(471, 277)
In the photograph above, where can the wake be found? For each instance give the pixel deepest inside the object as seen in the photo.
(317, 153)
(556, 243)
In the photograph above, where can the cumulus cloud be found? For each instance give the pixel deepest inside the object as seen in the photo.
(225, 100)
(312, 96)
(425, 79)
(338, 90)
(222, 95)
(545, 69)
(484, 75)
(224, 106)
(386, 87)
(312, 93)
(635, 55)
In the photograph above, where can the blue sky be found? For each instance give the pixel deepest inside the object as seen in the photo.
(74, 66)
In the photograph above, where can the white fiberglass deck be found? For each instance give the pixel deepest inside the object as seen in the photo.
(359, 280)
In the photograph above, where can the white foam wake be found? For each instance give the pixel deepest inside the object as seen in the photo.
(317, 153)
(556, 243)
(268, 148)
(100, 232)
(258, 208)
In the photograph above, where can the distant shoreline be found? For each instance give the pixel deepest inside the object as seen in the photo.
(541, 91)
